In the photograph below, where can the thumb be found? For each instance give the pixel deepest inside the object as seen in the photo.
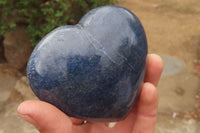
(45, 117)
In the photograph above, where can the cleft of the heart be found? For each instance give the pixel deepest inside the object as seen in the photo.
(93, 70)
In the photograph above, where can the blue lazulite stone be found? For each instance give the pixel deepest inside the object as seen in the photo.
(92, 70)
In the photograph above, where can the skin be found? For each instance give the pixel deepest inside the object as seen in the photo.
(142, 119)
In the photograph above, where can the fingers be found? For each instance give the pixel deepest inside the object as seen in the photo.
(146, 110)
(154, 69)
(45, 117)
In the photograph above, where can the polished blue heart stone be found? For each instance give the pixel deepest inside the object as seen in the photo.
(93, 70)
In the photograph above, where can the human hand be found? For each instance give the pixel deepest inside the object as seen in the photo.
(142, 119)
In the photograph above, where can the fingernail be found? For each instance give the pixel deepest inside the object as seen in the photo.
(26, 117)
(29, 119)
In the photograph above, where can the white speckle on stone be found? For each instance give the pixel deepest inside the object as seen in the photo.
(112, 124)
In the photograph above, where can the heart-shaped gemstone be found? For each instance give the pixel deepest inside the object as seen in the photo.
(93, 70)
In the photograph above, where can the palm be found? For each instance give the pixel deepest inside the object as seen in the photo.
(126, 126)
(142, 118)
